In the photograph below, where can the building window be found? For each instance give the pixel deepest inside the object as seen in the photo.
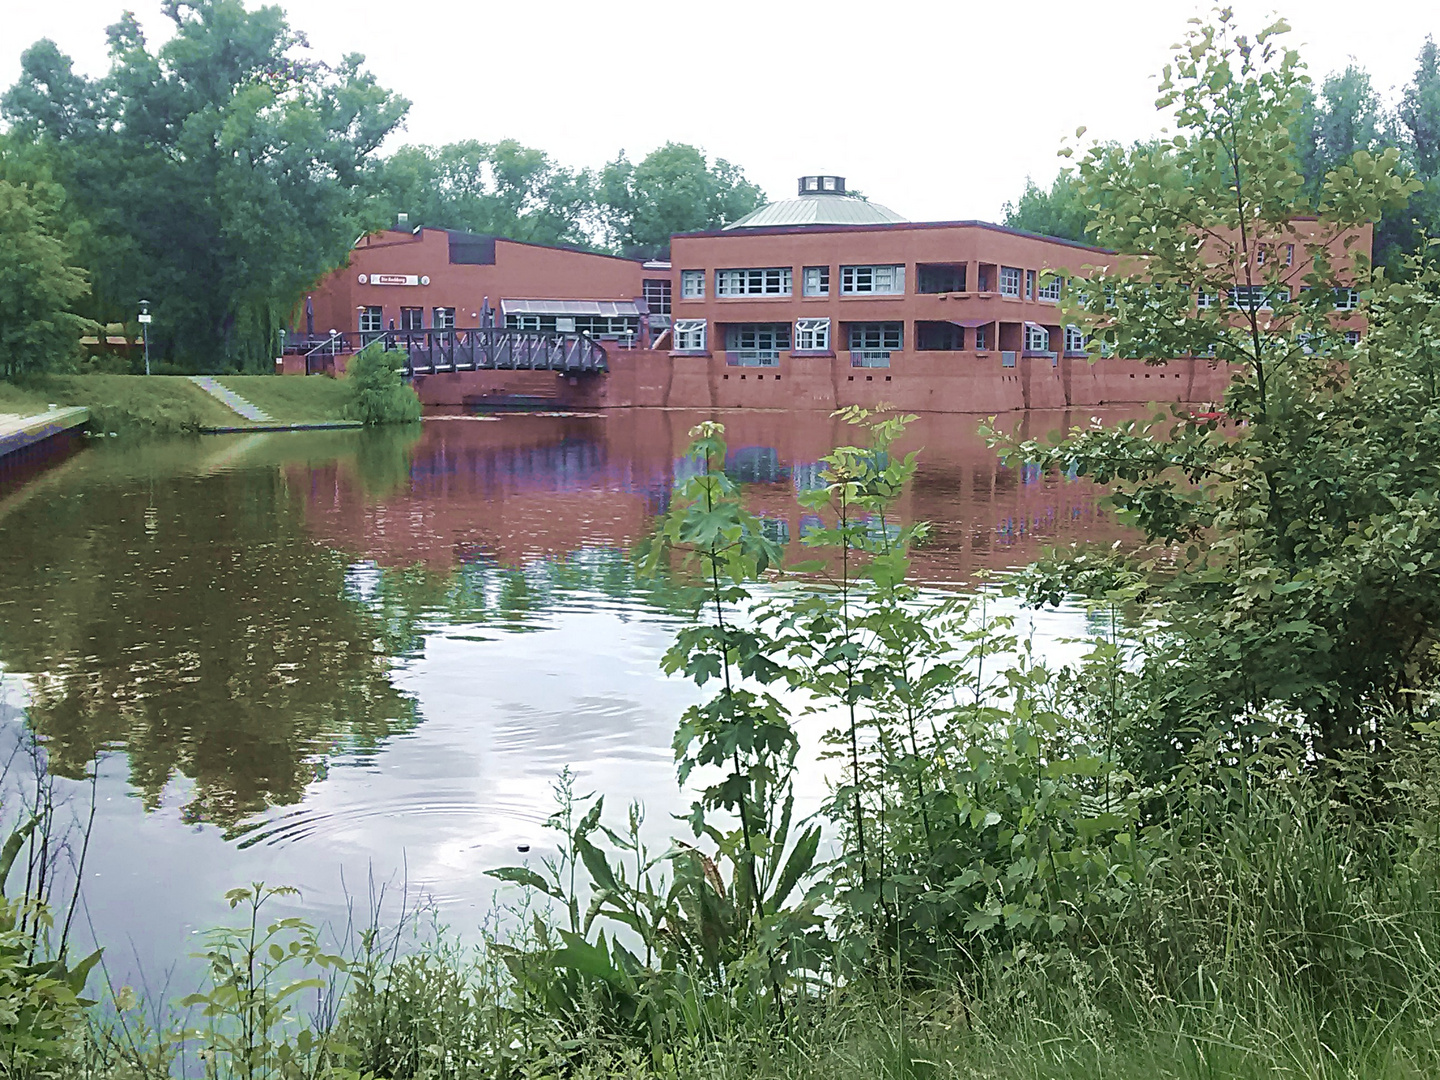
(372, 320)
(1010, 281)
(527, 322)
(1050, 291)
(1074, 339)
(1352, 337)
(1260, 256)
(1257, 297)
(767, 339)
(872, 280)
(1289, 254)
(657, 295)
(689, 335)
(1029, 284)
(1037, 338)
(692, 284)
(443, 318)
(933, 336)
(412, 318)
(982, 338)
(1204, 300)
(774, 281)
(812, 335)
(1347, 299)
(940, 277)
(816, 281)
(876, 335)
(603, 325)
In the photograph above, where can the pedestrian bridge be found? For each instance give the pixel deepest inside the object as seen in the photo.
(486, 348)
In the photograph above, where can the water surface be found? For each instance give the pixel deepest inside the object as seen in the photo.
(314, 658)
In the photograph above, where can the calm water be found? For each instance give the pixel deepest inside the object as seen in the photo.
(315, 658)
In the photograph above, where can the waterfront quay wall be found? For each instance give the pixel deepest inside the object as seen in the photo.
(914, 382)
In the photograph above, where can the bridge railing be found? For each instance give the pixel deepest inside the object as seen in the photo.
(495, 347)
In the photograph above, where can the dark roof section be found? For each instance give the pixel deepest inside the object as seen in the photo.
(899, 226)
(479, 248)
(471, 249)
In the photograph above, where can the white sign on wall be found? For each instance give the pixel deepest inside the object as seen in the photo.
(394, 279)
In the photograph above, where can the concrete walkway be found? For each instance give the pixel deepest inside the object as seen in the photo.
(231, 400)
(19, 432)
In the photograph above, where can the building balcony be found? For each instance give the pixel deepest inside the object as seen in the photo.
(870, 358)
(753, 357)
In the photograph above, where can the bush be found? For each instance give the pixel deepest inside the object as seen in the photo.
(378, 395)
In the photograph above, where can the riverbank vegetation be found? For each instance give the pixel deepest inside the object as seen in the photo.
(1206, 848)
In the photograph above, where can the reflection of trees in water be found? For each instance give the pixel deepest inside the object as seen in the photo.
(190, 621)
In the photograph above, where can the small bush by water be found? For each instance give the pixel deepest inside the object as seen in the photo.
(377, 393)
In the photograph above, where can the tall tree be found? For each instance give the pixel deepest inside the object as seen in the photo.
(504, 189)
(674, 189)
(1407, 230)
(222, 173)
(40, 287)
(1302, 568)
(1059, 212)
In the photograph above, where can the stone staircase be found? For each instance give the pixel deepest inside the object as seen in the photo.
(231, 400)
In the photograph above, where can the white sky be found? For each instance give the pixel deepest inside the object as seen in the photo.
(938, 109)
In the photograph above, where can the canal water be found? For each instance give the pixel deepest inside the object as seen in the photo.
(335, 658)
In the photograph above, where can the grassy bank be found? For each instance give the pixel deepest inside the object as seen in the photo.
(293, 399)
(172, 404)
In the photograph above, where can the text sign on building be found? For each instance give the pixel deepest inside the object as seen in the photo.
(394, 279)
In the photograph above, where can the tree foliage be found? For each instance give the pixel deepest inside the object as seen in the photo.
(220, 174)
(378, 393)
(674, 189)
(1296, 551)
(1059, 212)
(502, 189)
(40, 287)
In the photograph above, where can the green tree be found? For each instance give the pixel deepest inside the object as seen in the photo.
(501, 189)
(673, 190)
(1299, 588)
(1059, 212)
(222, 173)
(1418, 134)
(40, 287)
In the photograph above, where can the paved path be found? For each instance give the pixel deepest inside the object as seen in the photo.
(231, 400)
(17, 432)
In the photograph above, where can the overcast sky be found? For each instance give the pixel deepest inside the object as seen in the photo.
(937, 109)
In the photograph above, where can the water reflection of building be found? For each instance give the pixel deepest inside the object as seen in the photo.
(519, 487)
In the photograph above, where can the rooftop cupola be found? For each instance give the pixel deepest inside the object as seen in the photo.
(827, 185)
(822, 202)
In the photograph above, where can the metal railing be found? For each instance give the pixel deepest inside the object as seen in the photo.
(869, 357)
(753, 357)
(430, 352)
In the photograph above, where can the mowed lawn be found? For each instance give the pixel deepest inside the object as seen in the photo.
(292, 399)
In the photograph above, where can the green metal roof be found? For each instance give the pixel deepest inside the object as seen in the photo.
(820, 208)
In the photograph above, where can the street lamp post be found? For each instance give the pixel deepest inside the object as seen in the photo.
(145, 330)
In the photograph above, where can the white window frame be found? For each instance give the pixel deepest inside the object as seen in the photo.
(812, 335)
(1347, 299)
(372, 319)
(1074, 339)
(982, 338)
(1203, 300)
(692, 284)
(1260, 256)
(1010, 278)
(1051, 290)
(753, 281)
(1289, 254)
(442, 318)
(757, 337)
(1037, 339)
(1352, 337)
(877, 280)
(1030, 281)
(658, 295)
(816, 281)
(689, 335)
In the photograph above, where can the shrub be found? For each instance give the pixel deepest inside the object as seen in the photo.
(378, 395)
